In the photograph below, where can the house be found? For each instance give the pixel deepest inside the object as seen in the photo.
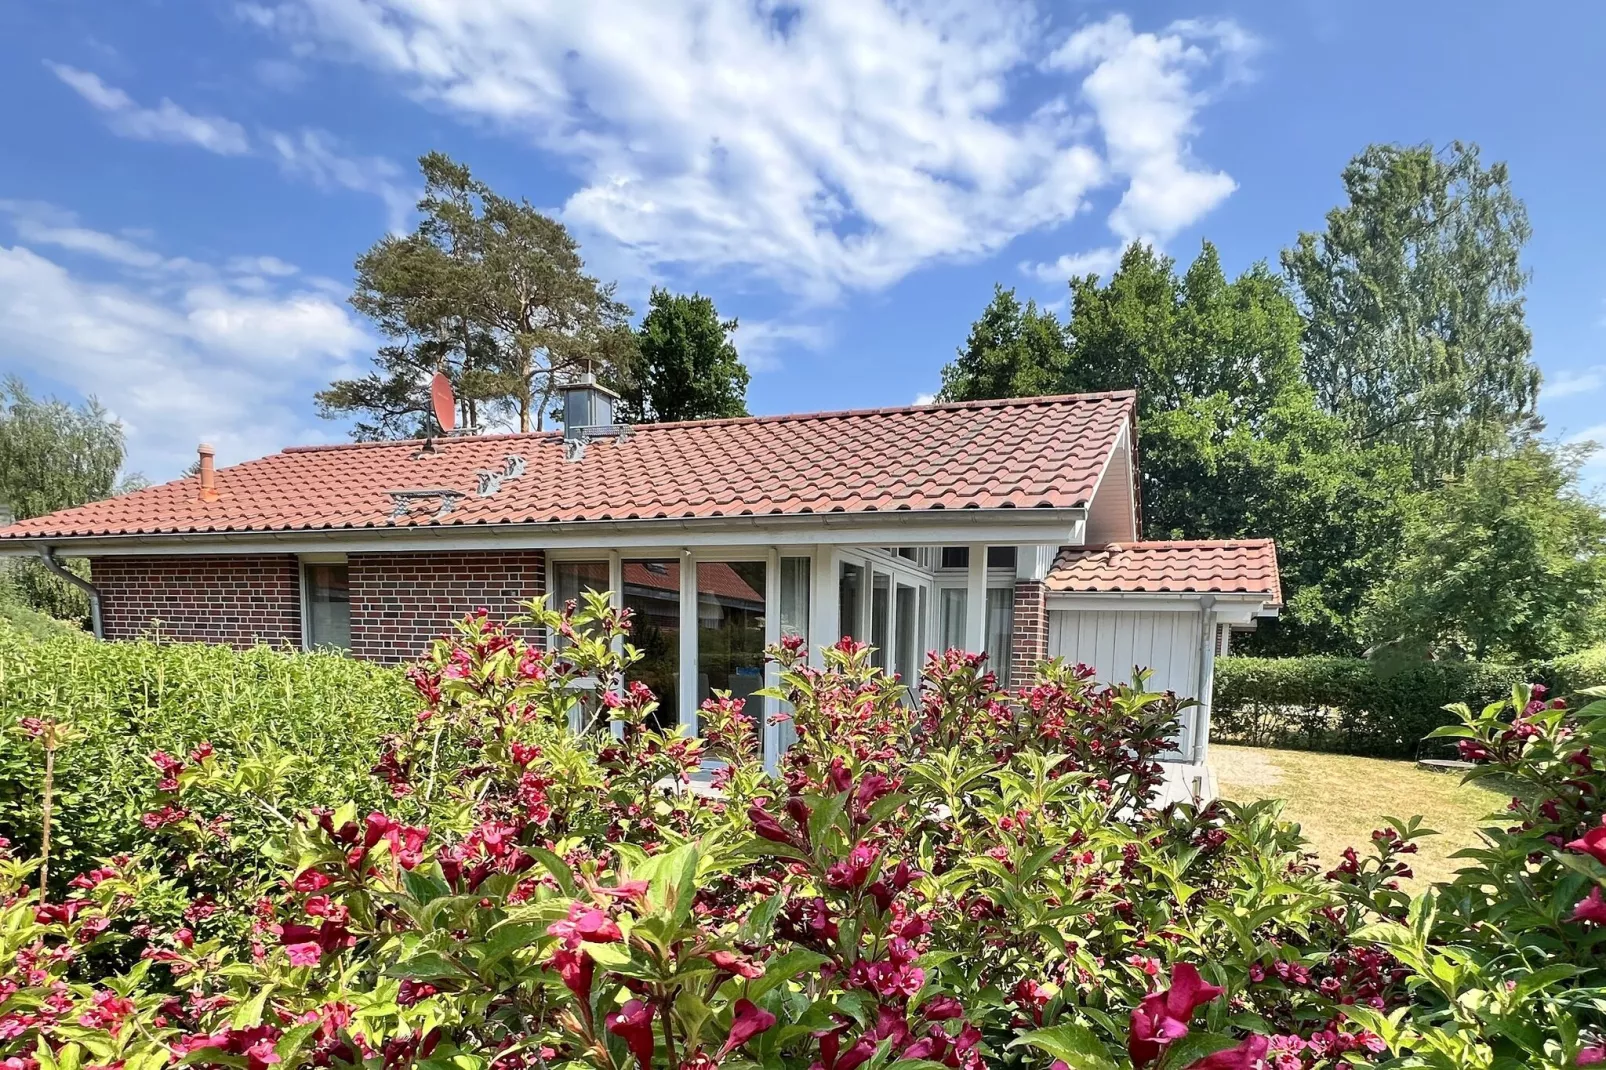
(1009, 526)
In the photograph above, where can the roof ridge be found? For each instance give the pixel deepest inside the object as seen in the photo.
(1152, 544)
(790, 417)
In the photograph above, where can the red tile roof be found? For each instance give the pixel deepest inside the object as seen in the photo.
(1226, 566)
(1018, 453)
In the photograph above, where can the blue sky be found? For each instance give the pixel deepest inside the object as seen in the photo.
(185, 186)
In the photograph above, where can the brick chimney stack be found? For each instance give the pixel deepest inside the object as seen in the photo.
(208, 473)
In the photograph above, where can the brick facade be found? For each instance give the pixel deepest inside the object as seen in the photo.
(400, 601)
(1029, 641)
(237, 600)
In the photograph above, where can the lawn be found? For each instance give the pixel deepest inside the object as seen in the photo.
(1339, 800)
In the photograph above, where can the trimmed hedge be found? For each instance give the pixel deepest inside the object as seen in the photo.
(1357, 706)
(327, 711)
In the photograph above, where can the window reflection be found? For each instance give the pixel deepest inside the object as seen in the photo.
(730, 631)
(652, 594)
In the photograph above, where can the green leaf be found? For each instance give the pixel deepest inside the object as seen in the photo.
(1075, 1045)
(556, 866)
(782, 968)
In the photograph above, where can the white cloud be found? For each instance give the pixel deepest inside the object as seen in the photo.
(316, 156)
(181, 351)
(760, 342)
(1568, 383)
(1097, 261)
(311, 155)
(165, 122)
(833, 144)
(925, 399)
(1145, 89)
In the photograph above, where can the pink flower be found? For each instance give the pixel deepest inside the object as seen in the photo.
(1590, 909)
(748, 1022)
(633, 1022)
(942, 1009)
(304, 954)
(585, 923)
(1591, 1056)
(1163, 1016)
(576, 969)
(854, 870)
(1592, 843)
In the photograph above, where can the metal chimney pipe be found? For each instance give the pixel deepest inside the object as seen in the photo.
(208, 473)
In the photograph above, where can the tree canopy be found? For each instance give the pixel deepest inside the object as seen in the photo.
(1413, 297)
(54, 456)
(486, 290)
(1014, 350)
(687, 367)
(1507, 560)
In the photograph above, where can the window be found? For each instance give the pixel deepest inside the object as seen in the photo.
(997, 557)
(850, 591)
(908, 662)
(951, 607)
(652, 594)
(571, 579)
(730, 630)
(328, 590)
(1000, 629)
(794, 621)
(881, 621)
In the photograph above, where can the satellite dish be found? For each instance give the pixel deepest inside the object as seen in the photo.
(444, 402)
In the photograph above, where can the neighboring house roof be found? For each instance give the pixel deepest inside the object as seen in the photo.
(1019, 453)
(1224, 566)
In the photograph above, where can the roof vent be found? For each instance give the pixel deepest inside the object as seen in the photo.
(589, 411)
(207, 472)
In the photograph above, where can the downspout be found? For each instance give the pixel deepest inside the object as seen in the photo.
(48, 556)
(1207, 679)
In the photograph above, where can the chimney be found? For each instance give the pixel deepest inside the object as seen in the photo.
(587, 405)
(208, 474)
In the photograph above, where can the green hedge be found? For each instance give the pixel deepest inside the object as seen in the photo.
(1346, 705)
(130, 699)
(1357, 706)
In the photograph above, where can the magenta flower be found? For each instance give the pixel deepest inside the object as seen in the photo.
(576, 969)
(1591, 909)
(1592, 843)
(585, 923)
(1163, 1016)
(1594, 1056)
(304, 954)
(942, 1009)
(748, 1022)
(633, 1023)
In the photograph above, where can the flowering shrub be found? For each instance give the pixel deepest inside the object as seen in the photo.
(963, 877)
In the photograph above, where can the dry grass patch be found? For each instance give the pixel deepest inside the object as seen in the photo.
(1339, 800)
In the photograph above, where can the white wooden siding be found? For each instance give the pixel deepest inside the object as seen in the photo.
(1113, 642)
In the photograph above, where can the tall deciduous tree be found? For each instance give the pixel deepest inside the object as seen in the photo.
(487, 290)
(1414, 300)
(1507, 560)
(1014, 350)
(688, 367)
(54, 456)
(1232, 442)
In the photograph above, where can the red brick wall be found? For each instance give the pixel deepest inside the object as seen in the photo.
(400, 601)
(237, 600)
(1029, 643)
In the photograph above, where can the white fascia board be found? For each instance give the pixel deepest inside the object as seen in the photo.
(1236, 609)
(926, 527)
